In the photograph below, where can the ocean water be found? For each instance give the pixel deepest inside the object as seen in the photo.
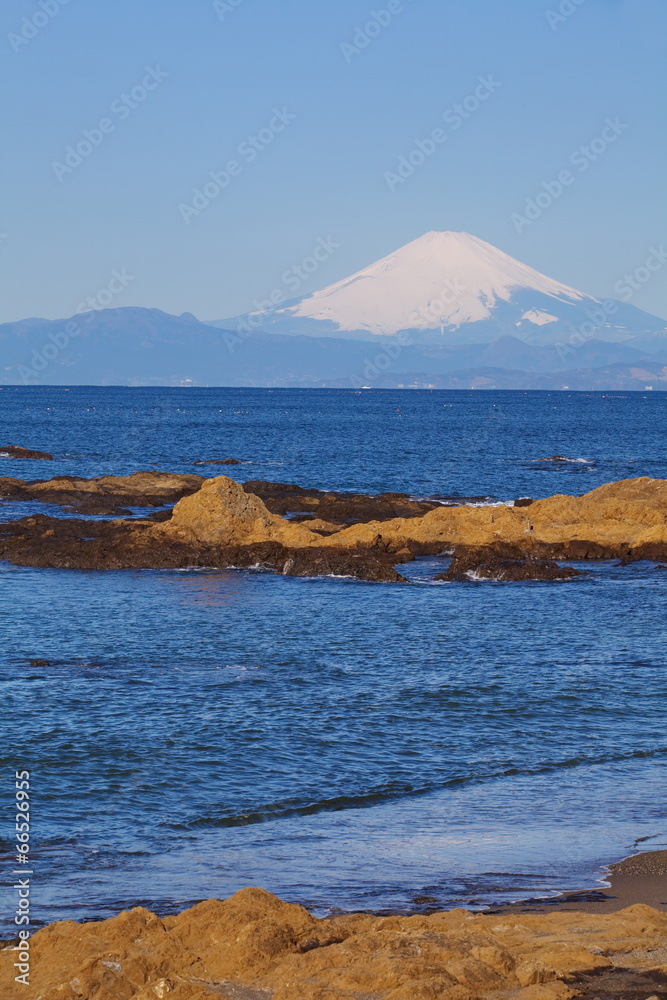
(345, 745)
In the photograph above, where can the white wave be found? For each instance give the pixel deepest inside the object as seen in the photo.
(557, 459)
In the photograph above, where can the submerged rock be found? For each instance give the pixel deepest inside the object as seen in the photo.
(219, 461)
(14, 451)
(257, 947)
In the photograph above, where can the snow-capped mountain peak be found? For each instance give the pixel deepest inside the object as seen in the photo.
(440, 279)
(454, 287)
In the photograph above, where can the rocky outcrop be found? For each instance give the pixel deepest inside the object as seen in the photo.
(14, 451)
(626, 520)
(362, 564)
(60, 543)
(256, 947)
(222, 513)
(105, 494)
(485, 564)
(147, 489)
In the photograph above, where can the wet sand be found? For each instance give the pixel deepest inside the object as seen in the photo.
(641, 878)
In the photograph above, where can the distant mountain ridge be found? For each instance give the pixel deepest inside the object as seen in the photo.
(135, 346)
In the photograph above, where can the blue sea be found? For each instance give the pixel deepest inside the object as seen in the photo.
(345, 745)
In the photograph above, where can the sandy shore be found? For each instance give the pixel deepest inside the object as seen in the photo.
(641, 878)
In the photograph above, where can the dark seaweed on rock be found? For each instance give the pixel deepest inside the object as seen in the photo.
(335, 506)
(60, 543)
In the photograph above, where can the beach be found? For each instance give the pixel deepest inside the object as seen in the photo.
(640, 878)
(256, 947)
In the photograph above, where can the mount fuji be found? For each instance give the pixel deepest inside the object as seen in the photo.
(447, 311)
(454, 289)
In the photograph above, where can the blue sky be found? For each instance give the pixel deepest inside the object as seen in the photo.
(334, 92)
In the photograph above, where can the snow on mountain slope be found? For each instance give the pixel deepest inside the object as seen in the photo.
(538, 317)
(439, 279)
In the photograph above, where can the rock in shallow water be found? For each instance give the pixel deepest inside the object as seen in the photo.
(335, 505)
(626, 520)
(14, 451)
(484, 564)
(60, 543)
(104, 494)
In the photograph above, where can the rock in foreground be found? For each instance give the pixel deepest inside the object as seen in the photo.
(256, 947)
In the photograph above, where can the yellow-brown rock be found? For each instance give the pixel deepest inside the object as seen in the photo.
(629, 513)
(257, 947)
(215, 522)
(221, 513)
(136, 483)
(103, 493)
